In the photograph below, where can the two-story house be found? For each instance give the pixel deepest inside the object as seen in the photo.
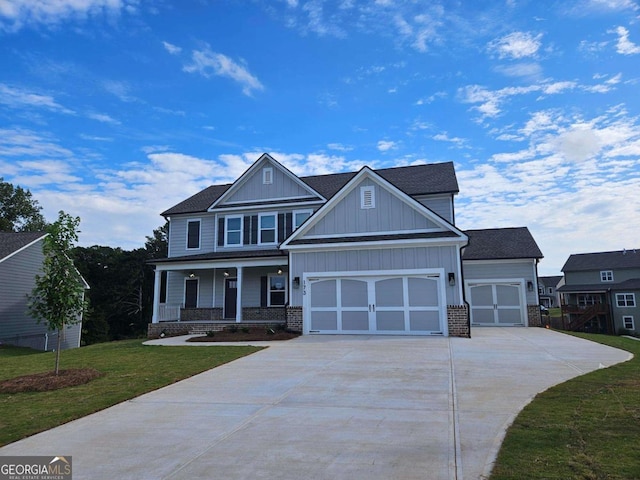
(548, 290)
(601, 290)
(373, 251)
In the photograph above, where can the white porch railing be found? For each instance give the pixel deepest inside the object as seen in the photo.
(169, 313)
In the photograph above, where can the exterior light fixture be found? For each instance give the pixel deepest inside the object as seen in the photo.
(226, 273)
(530, 286)
(279, 272)
(192, 275)
(452, 278)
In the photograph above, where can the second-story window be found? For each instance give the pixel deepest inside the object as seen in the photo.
(299, 216)
(233, 231)
(268, 228)
(606, 276)
(193, 234)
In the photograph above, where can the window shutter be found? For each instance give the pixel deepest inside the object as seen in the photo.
(254, 230)
(221, 232)
(288, 224)
(247, 230)
(263, 291)
(281, 228)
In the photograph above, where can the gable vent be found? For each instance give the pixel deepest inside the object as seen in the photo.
(267, 176)
(367, 197)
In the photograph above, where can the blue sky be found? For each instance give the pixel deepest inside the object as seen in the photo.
(115, 110)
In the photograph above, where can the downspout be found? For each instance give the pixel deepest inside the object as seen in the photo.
(46, 341)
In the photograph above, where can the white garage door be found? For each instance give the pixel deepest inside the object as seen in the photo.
(496, 303)
(388, 305)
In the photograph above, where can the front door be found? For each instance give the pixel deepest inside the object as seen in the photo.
(230, 297)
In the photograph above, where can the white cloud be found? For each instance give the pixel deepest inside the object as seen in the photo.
(20, 98)
(523, 69)
(15, 14)
(385, 145)
(207, 63)
(444, 137)
(172, 49)
(103, 117)
(516, 45)
(340, 147)
(624, 45)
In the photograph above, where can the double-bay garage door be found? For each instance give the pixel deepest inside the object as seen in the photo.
(380, 304)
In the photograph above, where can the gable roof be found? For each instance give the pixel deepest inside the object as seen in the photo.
(551, 281)
(602, 261)
(12, 242)
(500, 244)
(428, 179)
(444, 228)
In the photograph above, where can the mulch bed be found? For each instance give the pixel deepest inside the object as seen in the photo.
(44, 382)
(253, 334)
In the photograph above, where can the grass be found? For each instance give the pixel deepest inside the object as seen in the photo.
(130, 369)
(585, 428)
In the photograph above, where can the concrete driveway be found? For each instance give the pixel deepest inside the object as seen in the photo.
(330, 407)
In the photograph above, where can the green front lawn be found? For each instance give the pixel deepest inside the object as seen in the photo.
(130, 369)
(585, 428)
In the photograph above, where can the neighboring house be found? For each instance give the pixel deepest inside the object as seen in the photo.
(602, 291)
(21, 260)
(548, 290)
(500, 277)
(369, 252)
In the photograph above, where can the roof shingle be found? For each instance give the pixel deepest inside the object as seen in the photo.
(500, 243)
(10, 242)
(602, 261)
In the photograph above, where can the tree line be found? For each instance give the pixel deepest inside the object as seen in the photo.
(121, 281)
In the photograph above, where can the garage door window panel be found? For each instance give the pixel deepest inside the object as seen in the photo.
(390, 321)
(424, 321)
(323, 294)
(389, 293)
(423, 292)
(324, 320)
(508, 295)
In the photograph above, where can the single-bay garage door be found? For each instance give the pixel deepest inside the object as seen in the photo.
(496, 303)
(375, 304)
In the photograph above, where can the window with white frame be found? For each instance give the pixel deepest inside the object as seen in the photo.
(277, 291)
(233, 229)
(628, 323)
(299, 216)
(268, 228)
(606, 276)
(193, 234)
(626, 299)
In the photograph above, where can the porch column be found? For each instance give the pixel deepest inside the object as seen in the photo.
(239, 295)
(156, 295)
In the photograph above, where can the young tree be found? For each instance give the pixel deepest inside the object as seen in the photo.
(19, 212)
(58, 296)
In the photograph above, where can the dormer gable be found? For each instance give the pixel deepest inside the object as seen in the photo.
(370, 208)
(266, 182)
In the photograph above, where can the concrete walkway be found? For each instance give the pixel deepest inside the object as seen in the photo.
(330, 407)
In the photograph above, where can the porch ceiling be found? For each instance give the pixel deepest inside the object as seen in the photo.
(245, 258)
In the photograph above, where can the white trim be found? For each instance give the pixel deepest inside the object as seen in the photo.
(372, 275)
(226, 230)
(633, 323)
(412, 242)
(367, 197)
(23, 248)
(194, 220)
(261, 206)
(604, 276)
(296, 212)
(366, 172)
(267, 176)
(374, 234)
(275, 228)
(227, 263)
(520, 282)
(264, 158)
(624, 295)
(286, 289)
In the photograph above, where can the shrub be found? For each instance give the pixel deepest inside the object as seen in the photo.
(232, 328)
(245, 329)
(210, 333)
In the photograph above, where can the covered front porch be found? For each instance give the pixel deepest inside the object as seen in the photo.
(222, 289)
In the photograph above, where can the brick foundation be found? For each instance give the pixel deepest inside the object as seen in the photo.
(200, 314)
(458, 321)
(294, 319)
(272, 314)
(534, 315)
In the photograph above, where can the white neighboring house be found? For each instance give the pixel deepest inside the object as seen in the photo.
(21, 260)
